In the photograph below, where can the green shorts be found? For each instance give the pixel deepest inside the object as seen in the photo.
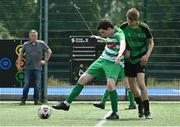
(104, 68)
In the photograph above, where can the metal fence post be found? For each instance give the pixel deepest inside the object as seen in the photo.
(145, 10)
(46, 41)
(44, 36)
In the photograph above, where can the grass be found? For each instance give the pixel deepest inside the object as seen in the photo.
(170, 83)
(84, 114)
(151, 82)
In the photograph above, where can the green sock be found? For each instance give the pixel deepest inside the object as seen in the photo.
(114, 100)
(74, 93)
(130, 97)
(105, 96)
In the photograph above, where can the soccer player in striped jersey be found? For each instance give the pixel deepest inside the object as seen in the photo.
(130, 96)
(106, 65)
(139, 47)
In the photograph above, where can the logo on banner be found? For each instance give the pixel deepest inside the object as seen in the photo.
(5, 63)
(18, 49)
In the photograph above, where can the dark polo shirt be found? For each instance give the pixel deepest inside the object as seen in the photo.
(34, 54)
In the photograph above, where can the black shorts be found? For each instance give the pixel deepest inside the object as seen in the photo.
(131, 70)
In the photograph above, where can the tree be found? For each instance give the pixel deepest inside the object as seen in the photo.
(4, 33)
(18, 16)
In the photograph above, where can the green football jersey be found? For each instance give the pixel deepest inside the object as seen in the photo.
(111, 49)
(136, 40)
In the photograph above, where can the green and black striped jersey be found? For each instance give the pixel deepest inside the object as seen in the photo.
(111, 49)
(136, 40)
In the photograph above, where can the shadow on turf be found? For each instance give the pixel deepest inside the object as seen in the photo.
(122, 109)
(124, 119)
(27, 104)
(98, 119)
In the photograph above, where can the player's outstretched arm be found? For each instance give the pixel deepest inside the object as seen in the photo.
(100, 38)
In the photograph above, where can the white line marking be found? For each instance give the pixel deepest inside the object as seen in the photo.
(103, 120)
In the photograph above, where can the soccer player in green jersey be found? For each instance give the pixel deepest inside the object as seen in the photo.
(132, 104)
(106, 65)
(139, 47)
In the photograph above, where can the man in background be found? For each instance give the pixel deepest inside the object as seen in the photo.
(33, 51)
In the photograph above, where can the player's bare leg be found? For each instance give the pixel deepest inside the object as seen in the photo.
(137, 97)
(144, 94)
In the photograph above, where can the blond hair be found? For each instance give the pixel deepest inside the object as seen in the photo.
(33, 31)
(132, 14)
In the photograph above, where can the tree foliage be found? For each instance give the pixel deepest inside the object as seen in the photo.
(18, 16)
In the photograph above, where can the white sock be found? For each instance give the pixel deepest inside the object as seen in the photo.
(65, 102)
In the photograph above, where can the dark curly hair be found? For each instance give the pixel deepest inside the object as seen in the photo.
(104, 24)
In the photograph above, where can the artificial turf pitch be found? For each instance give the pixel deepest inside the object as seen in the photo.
(85, 114)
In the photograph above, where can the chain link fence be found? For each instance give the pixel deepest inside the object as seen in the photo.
(17, 17)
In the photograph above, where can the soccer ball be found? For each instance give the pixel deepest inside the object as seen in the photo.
(44, 112)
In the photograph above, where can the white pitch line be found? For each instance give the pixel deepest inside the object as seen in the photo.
(101, 122)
